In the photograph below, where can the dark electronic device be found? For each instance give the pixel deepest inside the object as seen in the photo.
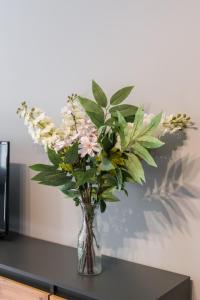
(4, 187)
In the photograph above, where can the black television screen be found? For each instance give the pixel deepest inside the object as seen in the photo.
(4, 186)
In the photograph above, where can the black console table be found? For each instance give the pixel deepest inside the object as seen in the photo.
(53, 267)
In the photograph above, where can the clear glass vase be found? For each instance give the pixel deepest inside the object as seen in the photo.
(89, 246)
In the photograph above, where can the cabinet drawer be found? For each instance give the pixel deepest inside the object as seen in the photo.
(12, 290)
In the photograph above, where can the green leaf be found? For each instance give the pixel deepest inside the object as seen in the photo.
(94, 111)
(109, 122)
(155, 121)
(53, 157)
(124, 131)
(130, 119)
(99, 94)
(138, 122)
(102, 205)
(42, 167)
(125, 191)
(85, 176)
(69, 189)
(109, 181)
(135, 168)
(96, 119)
(119, 178)
(121, 121)
(44, 174)
(67, 186)
(53, 179)
(72, 193)
(71, 155)
(150, 142)
(125, 110)
(121, 95)
(101, 131)
(108, 195)
(90, 105)
(126, 175)
(106, 165)
(77, 201)
(143, 153)
(108, 141)
(139, 116)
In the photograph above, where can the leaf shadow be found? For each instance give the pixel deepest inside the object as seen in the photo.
(165, 202)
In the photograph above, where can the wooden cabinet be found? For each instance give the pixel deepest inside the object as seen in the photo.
(53, 297)
(12, 290)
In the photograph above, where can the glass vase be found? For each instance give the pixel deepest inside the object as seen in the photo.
(89, 246)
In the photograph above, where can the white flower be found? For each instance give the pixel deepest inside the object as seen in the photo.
(147, 118)
(41, 116)
(75, 122)
(76, 126)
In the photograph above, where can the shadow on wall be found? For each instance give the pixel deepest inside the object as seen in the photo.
(164, 199)
(18, 204)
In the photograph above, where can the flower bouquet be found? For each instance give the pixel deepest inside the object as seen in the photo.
(97, 149)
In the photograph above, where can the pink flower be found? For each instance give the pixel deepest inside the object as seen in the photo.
(88, 146)
(59, 144)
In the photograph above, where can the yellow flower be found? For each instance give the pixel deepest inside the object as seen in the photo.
(65, 167)
(117, 159)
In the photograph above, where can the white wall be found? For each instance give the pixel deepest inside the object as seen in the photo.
(51, 48)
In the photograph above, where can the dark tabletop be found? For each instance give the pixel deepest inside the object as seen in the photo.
(56, 264)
